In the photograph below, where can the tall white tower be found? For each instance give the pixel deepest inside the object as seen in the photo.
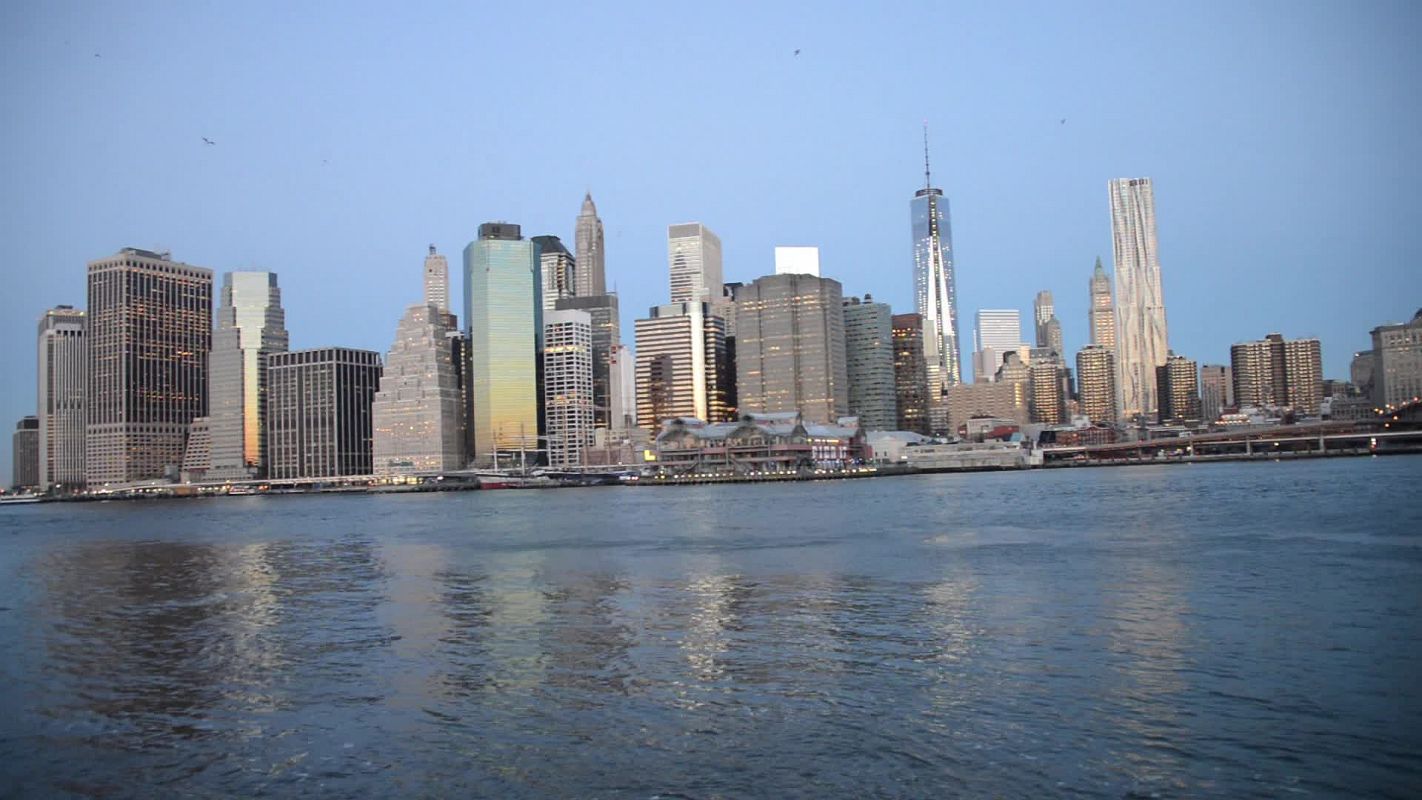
(1140, 305)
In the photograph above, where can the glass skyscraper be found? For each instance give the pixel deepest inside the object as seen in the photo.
(503, 309)
(935, 289)
(251, 325)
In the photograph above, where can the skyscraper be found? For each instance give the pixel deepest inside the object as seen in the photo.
(150, 330)
(998, 331)
(622, 379)
(910, 373)
(1216, 391)
(935, 288)
(1044, 313)
(1096, 383)
(1179, 390)
(437, 281)
(869, 363)
(568, 385)
(1141, 341)
(790, 347)
(504, 315)
(319, 421)
(559, 271)
(606, 323)
(25, 454)
(63, 386)
(1047, 386)
(251, 325)
(694, 262)
(588, 244)
(1397, 362)
(681, 365)
(1102, 313)
(417, 416)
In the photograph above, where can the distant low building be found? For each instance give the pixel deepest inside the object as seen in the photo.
(780, 442)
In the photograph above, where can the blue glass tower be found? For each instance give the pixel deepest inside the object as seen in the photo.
(935, 290)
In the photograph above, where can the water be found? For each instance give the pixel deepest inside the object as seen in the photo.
(1223, 630)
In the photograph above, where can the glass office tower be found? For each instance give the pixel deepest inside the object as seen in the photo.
(251, 325)
(504, 312)
(935, 290)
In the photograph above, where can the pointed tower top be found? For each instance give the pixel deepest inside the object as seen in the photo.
(1099, 270)
(927, 176)
(432, 250)
(588, 206)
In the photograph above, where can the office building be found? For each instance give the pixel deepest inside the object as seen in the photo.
(1096, 383)
(1216, 391)
(25, 455)
(997, 332)
(319, 420)
(1361, 371)
(197, 454)
(790, 347)
(417, 415)
(606, 336)
(694, 263)
(504, 315)
(150, 331)
(1102, 311)
(622, 392)
(869, 363)
(988, 399)
(910, 373)
(681, 365)
(568, 385)
(1179, 389)
(1141, 340)
(251, 325)
(935, 287)
(588, 244)
(559, 271)
(63, 388)
(1275, 371)
(797, 261)
(1047, 387)
(437, 281)
(1396, 365)
(1048, 329)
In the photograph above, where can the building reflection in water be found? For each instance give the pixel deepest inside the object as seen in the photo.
(586, 641)
(415, 594)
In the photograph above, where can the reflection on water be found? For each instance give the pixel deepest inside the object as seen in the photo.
(861, 638)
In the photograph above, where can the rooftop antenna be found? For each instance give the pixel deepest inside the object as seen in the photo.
(927, 180)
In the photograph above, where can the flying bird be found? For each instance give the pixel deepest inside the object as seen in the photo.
(96, 55)
(206, 140)
(1063, 120)
(797, 52)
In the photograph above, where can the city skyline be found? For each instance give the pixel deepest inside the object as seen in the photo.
(336, 266)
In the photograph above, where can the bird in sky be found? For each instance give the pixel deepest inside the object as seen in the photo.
(96, 55)
(1063, 120)
(206, 140)
(797, 52)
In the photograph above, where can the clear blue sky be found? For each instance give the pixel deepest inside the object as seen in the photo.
(1283, 139)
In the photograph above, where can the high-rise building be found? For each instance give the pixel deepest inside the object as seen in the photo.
(588, 244)
(251, 325)
(568, 385)
(997, 332)
(1141, 340)
(935, 287)
(1397, 363)
(319, 420)
(606, 336)
(1216, 391)
(1275, 371)
(150, 330)
(694, 262)
(63, 387)
(910, 373)
(25, 454)
(869, 363)
(1096, 383)
(1047, 387)
(559, 271)
(797, 261)
(1102, 310)
(681, 365)
(197, 454)
(622, 392)
(437, 281)
(1016, 373)
(1048, 328)
(790, 347)
(417, 416)
(1177, 380)
(1362, 371)
(504, 315)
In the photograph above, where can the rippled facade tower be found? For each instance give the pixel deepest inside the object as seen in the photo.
(1140, 305)
(251, 325)
(935, 289)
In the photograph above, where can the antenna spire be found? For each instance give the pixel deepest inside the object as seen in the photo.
(927, 176)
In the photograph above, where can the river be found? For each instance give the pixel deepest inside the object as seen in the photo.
(1226, 630)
